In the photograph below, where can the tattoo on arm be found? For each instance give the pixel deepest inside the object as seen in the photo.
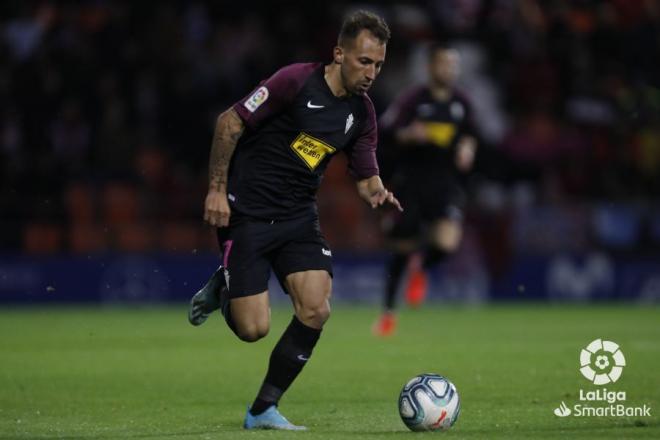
(228, 130)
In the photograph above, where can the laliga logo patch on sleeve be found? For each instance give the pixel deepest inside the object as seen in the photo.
(256, 99)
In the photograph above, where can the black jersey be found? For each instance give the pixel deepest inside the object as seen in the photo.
(294, 125)
(445, 123)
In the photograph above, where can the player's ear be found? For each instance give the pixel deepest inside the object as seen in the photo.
(338, 55)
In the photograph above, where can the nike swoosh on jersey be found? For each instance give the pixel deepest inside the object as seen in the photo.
(310, 105)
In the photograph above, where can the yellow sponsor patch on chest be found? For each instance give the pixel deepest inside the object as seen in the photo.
(440, 133)
(311, 150)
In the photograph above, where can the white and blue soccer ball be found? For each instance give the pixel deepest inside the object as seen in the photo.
(429, 402)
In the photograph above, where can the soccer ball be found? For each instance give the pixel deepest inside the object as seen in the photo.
(429, 402)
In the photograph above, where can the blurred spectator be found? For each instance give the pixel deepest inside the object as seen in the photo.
(70, 137)
(112, 93)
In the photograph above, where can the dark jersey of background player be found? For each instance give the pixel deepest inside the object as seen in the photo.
(431, 134)
(444, 122)
(294, 126)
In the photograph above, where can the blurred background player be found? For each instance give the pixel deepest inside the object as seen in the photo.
(279, 141)
(430, 127)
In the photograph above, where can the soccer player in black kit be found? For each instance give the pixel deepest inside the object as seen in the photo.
(431, 128)
(268, 155)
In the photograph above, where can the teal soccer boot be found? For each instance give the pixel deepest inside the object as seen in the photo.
(270, 419)
(211, 297)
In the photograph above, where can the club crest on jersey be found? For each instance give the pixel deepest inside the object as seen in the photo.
(457, 111)
(349, 123)
(256, 99)
(311, 150)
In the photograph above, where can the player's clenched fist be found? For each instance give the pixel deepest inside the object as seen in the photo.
(216, 209)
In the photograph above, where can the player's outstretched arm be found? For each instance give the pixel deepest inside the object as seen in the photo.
(375, 194)
(414, 133)
(228, 129)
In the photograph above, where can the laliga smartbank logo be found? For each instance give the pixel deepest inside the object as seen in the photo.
(602, 362)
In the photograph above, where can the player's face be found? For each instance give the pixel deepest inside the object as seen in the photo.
(360, 62)
(444, 67)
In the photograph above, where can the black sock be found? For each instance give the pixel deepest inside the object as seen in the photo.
(268, 396)
(286, 361)
(395, 269)
(433, 256)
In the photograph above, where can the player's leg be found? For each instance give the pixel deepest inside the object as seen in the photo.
(395, 268)
(239, 287)
(402, 230)
(444, 238)
(250, 316)
(304, 268)
(248, 310)
(214, 294)
(417, 285)
(310, 294)
(441, 209)
(209, 298)
(446, 229)
(247, 316)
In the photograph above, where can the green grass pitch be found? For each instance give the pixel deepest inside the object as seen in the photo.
(145, 373)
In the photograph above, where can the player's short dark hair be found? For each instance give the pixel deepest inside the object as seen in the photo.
(436, 47)
(363, 20)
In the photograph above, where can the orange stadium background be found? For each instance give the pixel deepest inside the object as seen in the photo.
(108, 109)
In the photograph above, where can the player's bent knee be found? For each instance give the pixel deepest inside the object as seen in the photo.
(251, 316)
(448, 237)
(447, 246)
(253, 329)
(251, 333)
(314, 315)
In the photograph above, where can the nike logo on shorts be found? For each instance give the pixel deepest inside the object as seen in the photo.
(302, 358)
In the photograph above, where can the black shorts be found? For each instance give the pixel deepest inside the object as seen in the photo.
(425, 201)
(250, 248)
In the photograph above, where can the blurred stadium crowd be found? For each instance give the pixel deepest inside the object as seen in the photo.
(108, 108)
